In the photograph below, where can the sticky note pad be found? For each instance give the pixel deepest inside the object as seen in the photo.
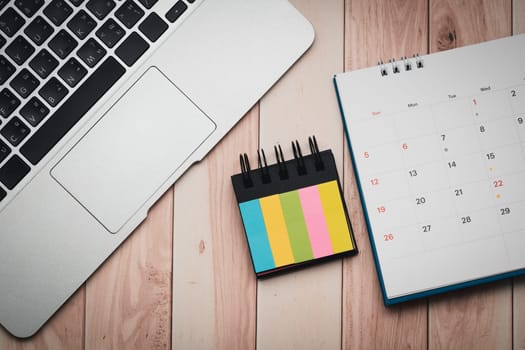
(294, 221)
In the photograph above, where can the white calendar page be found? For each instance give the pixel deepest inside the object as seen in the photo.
(439, 152)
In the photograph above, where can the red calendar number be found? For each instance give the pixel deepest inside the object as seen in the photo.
(388, 237)
(381, 209)
(374, 182)
(366, 155)
(498, 183)
(404, 146)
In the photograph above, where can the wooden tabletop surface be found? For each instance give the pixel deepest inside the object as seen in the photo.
(216, 302)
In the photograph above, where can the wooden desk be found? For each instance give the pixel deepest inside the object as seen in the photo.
(217, 303)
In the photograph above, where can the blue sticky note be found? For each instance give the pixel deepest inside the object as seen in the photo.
(255, 228)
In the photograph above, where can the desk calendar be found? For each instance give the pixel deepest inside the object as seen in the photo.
(438, 148)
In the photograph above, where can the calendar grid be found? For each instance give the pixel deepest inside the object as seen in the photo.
(440, 159)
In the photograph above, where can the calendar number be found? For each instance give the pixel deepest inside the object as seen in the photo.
(443, 136)
(482, 128)
(519, 120)
(452, 164)
(504, 211)
(412, 172)
(374, 182)
(404, 146)
(366, 155)
(426, 228)
(381, 209)
(458, 192)
(466, 220)
(420, 200)
(513, 93)
(498, 183)
(490, 155)
(388, 237)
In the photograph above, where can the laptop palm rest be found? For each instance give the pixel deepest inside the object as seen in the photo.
(135, 147)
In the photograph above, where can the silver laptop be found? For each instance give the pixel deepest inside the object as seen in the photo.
(103, 105)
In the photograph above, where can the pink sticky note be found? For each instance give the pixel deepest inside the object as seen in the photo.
(315, 221)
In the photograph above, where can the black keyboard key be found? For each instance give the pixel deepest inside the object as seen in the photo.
(13, 171)
(86, 95)
(72, 72)
(176, 11)
(8, 103)
(34, 111)
(57, 11)
(91, 52)
(153, 27)
(62, 44)
(82, 24)
(39, 30)
(24, 83)
(53, 92)
(15, 131)
(190, 1)
(3, 3)
(29, 7)
(100, 8)
(131, 49)
(148, 3)
(4, 151)
(110, 33)
(10, 22)
(19, 50)
(129, 13)
(43, 63)
(76, 2)
(2, 194)
(6, 69)
(2, 41)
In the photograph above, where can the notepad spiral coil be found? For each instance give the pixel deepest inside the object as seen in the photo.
(282, 165)
(405, 62)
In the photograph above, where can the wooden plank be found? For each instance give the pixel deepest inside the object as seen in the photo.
(378, 30)
(518, 309)
(302, 309)
(213, 281)
(65, 330)
(456, 23)
(518, 16)
(128, 303)
(480, 317)
(475, 318)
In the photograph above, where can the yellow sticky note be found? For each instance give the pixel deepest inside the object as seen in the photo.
(276, 229)
(335, 217)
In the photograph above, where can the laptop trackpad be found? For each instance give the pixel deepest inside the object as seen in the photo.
(133, 149)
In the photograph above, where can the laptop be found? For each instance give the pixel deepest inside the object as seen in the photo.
(103, 105)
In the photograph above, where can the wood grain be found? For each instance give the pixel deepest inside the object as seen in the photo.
(456, 23)
(378, 30)
(214, 284)
(128, 300)
(518, 307)
(302, 310)
(480, 317)
(64, 330)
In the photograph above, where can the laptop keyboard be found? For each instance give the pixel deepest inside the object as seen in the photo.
(57, 59)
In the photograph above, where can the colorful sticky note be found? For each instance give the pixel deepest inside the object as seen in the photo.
(296, 226)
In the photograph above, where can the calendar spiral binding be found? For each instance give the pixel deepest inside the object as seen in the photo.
(282, 164)
(405, 63)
